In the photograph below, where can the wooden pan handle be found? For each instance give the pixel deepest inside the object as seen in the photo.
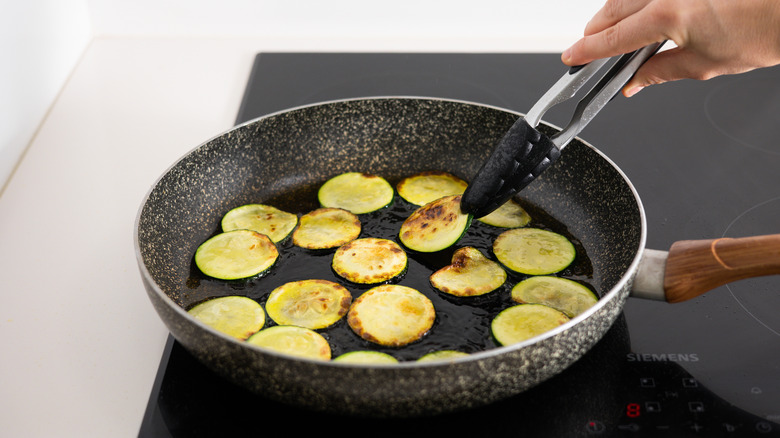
(696, 266)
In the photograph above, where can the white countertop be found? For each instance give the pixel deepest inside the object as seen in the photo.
(81, 342)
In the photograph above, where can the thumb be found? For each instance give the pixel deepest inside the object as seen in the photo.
(670, 65)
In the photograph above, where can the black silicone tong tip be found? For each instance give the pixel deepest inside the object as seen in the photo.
(521, 156)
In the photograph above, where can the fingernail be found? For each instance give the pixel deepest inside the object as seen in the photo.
(566, 55)
(633, 90)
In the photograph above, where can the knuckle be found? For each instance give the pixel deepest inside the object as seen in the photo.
(612, 9)
(612, 37)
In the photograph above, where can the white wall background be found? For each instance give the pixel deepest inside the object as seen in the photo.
(41, 41)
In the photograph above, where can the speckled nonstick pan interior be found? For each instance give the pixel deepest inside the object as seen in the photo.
(299, 149)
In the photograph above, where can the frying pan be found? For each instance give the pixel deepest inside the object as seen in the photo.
(298, 149)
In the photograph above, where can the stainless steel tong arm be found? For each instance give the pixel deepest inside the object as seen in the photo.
(566, 87)
(607, 87)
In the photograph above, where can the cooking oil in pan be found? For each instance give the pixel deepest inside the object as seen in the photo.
(462, 323)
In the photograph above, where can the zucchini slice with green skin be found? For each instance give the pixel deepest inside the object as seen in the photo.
(314, 304)
(369, 260)
(441, 355)
(265, 219)
(233, 315)
(470, 274)
(326, 228)
(525, 321)
(292, 340)
(391, 315)
(533, 251)
(236, 254)
(509, 215)
(568, 296)
(366, 357)
(356, 192)
(435, 226)
(425, 187)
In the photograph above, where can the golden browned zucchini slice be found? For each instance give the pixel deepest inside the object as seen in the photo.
(568, 296)
(326, 228)
(233, 315)
(470, 274)
(366, 357)
(435, 226)
(265, 219)
(391, 315)
(525, 321)
(425, 187)
(533, 251)
(356, 192)
(369, 260)
(292, 340)
(236, 254)
(441, 355)
(314, 304)
(509, 215)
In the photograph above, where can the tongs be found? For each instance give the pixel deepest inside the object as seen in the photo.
(524, 152)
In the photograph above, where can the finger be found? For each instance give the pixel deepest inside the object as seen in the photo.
(630, 34)
(671, 65)
(612, 13)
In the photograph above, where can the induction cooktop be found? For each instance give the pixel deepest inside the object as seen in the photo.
(704, 157)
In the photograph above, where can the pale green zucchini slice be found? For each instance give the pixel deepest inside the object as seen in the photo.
(533, 251)
(470, 274)
(525, 321)
(391, 315)
(568, 296)
(326, 228)
(366, 357)
(356, 192)
(425, 187)
(435, 226)
(441, 355)
(509, 215)
(314, 304)
(265, 219)
(292, 340)
(369, 260)
(233, 315)
(236, 254)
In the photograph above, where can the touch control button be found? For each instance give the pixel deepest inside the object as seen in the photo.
(763, 427)
(595, 427)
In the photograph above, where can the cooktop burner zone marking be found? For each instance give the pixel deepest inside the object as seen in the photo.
(759, 297)
(739, 109)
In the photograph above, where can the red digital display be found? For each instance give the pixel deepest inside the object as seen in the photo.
(633, 410)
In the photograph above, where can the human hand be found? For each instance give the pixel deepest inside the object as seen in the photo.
(713, 37)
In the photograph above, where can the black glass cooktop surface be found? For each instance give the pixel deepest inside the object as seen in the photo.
(704, 157)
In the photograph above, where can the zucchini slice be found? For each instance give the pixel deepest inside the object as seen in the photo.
(236, 254)
(435, 226)
(391, 315)
(233, 315)
(441, 355)
(356, 192)
(533, 251)
(525, 321)
(509, 215)
(314, 304)
(566, 295)
(265, 219)
(425, 187)
(470, 274)
(366, 357)
(369, 260)
(326, 228)
(292, 340)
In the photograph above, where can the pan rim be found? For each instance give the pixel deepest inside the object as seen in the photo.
(619, 291)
